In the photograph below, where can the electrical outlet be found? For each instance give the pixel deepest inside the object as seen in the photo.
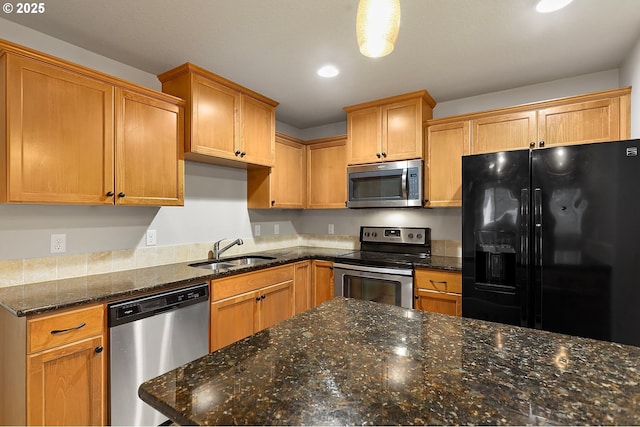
(58, 243)
(276, 229)
(331, 229)
(152, 237)
(257, 230)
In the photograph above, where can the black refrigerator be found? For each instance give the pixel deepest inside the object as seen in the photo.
(551, 239)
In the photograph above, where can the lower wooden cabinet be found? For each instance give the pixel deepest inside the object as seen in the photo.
(321, 282)
(302, 286)
(438, 291)
(247, 303)
(53, 369)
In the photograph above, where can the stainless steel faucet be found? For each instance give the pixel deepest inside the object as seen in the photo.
(217, 251)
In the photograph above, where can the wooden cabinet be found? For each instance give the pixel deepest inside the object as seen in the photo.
(73, 135)
(247, 303)
(438, 291)
(54, 368)
(321, 282)
(225, 123)
(327, 173)
(283, 185)
(302, 290)
(445, 146)
(388, 129)
(596, 117)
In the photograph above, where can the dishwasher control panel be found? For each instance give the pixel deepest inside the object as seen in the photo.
(132, 309)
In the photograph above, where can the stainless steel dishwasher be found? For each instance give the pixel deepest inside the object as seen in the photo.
(149, 336)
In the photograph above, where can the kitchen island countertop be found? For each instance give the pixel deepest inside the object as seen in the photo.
(354, 362)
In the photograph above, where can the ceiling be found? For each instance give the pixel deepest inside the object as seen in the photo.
(452, 48)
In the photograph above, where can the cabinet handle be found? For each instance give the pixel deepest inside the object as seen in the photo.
(263, 297)
(273, 203)
(257, 299)
(62, 331)
(238, 152)
(378, 155)
(244, 153)
(532, 144)
(416, 297)
(384, 154)
(99, 349)
(541, 144)
(110, 194)
(121, 194)
(434, 283)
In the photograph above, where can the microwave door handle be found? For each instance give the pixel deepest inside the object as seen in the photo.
(405, 174)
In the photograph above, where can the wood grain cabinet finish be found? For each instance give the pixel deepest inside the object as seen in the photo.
(445, 146)
(226, 123)
(247, 303)
(302, 290)
(388, 129)
(70, 133)
(283, 185)
(321, 282)
(327, 173)
(438, 291)
(53, 369)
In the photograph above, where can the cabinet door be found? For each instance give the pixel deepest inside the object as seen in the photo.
(66, 385)
(289, 175)
(258, 131)
(149, 151)
(438, 302)
(580, 123)
(327, 175)
(321, 281)
(364, 130)
(503, 132)
(446, 144)
(276, 304)
(214, 119)
(402, 131)
(59, 135)
(302, 287)
(233, 319)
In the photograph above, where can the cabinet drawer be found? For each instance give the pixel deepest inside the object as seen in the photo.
(236, 285)
(438, 280)
(61, 328)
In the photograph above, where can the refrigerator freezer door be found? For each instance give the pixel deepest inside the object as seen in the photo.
(586, 233)
(495, 234)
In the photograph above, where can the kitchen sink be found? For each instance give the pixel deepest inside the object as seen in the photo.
(232, 262)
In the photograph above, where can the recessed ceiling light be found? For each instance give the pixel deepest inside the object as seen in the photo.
(546, 6)
(328, 71)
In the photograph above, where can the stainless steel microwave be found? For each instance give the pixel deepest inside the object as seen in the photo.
(385, 185)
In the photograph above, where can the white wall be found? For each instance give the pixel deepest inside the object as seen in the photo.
(630, 76)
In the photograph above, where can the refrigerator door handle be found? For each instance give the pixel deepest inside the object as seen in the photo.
(524, 226)
(537, 249)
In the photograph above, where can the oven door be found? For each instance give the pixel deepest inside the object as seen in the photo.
(386, 285)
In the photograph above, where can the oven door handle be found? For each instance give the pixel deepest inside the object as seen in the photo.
(379, 270)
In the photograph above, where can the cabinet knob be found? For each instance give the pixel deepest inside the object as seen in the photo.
(99, 349)
(273, 203)
(378, 155)
(110, 194)
(532, 144)
(121, 194)
(244, 153)
(238, 152)
(541, 144)
(263, 297)
(384, 154)
(416, 297)
(257, 299)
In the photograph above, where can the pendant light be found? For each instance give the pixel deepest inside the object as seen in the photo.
(377, 26)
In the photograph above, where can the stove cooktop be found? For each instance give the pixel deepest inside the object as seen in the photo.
(381, 259)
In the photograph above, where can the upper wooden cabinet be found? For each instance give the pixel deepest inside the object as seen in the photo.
(327, 173)
(446, 144)
(74, 135)
(226, 123)
(596, 117)
(283, 185)
(388, 129)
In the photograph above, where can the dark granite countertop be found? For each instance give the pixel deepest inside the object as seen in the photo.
(354, 362)
(36, 298)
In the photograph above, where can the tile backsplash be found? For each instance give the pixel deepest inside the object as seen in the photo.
(31, 270)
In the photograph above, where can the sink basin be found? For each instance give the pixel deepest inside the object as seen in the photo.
(232, 262)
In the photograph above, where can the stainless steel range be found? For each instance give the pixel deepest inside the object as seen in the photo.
(382, 270)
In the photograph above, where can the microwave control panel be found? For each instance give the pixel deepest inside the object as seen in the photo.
(413, 184)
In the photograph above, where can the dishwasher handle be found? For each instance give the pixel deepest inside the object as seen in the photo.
(132, 309)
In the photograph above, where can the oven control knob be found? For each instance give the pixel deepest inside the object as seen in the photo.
(419, 236)
(411, 235)
(374, 234)
(366, 234)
